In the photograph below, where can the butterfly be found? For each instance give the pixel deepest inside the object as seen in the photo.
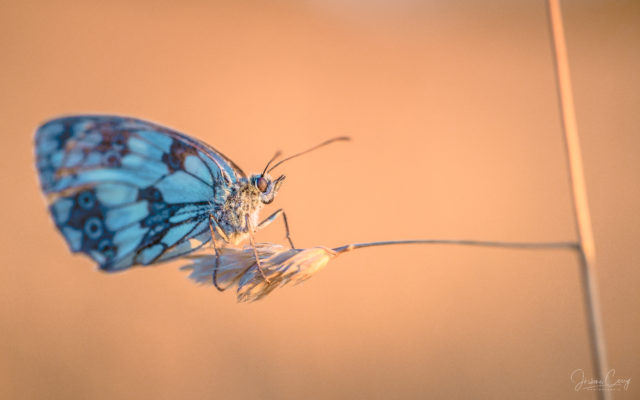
(130, 192)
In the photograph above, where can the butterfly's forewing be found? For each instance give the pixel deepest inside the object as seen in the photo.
(126, 191)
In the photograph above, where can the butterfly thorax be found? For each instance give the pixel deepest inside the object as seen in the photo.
(241, 206)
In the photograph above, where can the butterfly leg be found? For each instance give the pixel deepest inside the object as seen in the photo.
(255, 252)
(272, 218)
(213, 224)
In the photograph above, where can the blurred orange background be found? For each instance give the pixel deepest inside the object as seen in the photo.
(453, 112)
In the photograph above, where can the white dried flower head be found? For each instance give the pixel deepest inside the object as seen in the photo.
(280, 265)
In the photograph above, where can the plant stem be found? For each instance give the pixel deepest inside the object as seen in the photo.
(585, 249)
(464, 242)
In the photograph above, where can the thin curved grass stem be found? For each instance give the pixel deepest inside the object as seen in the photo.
(465, 242)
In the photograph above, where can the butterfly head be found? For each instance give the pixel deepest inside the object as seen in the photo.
(267, 187)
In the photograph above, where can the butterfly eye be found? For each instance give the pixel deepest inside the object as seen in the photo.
(262, 184)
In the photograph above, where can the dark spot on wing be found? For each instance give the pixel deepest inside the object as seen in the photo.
(177, 153)
(87, 216)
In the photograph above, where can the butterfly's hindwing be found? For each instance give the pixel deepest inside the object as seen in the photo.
(129, 192)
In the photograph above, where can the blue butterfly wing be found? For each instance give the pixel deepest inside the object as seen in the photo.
(130, 192)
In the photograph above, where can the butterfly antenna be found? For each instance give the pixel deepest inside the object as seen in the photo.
(336, 139)
(278, 154)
